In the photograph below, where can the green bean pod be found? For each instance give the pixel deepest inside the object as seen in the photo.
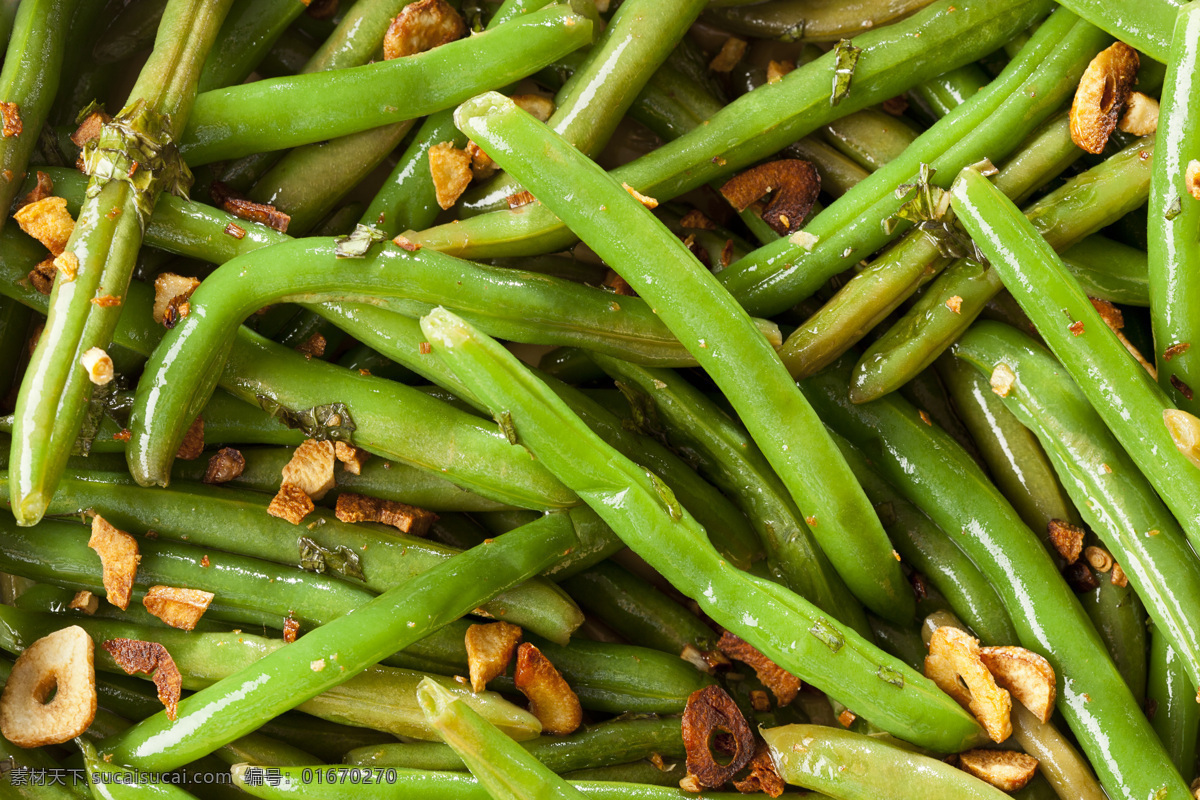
(808, 21)
(871, 295)
(236, 521)
(29, 80)
(387, 480)
(1171, 703)
(1058, 761)
(248, 32)
(498, 763)
(1145, 25)
(762, 122)
(943, 94)
(609, 743)
(1108, 489)
(1086, 348)
(870, 137)
(636, 41)
(728, 456)
(1109, 270)
(989, 125)
(114, 782)
(713, 328)
(924, 464)
(643, 512)
(851, 766)
(1080, 207)
(928, 549)
(1173, 234)
(55, 391)
(1120, 619)
(236, 121)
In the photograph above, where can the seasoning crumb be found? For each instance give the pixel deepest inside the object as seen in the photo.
(648, 202)
(925, 417)
(729, 55)
(955, 304)
(12, 120)
(236, 231)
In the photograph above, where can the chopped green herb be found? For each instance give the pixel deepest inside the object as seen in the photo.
(331, 421)
(667, 496)
(506, 427)
(1175, 209)
(846, 59)
(891, 675)
(830, 636)
(342, 560)
(357, 243)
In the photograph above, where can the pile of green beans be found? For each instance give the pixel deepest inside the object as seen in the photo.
(667, 443)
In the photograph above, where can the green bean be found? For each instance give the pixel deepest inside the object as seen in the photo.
(82, 79)
(762, 122)
(610, 743)
(420, 784)
(946, 92)
(286, 678)
(249, 31)
(901, 641)
(1146, 26)
(1109, 270)
(728, 457)
(1104, 481)
(640, 509)
(928, 549)
(1171, 703)
(808, 20)
(925, 465)
(643, 772)
(851, 766)
(57, 600)
(14, 329)
(1120, 619)
(388, 480)
(870, 137)
(607, 677)
(1083, 205)
(1018, 465)
(248, 590)
(1058, 761)
(309, 269)
(1174, 220)
(55, 391)
(589, 107)
(991, 124)
(115, 782)
(637, 611)
(32, 66)
(498, 763)
(871, 295)
(628, 238)
(838, 173)
(327, 740)
(1088, 350)
(8, 11)
(205, 516)
(237, 120)
(132, 28)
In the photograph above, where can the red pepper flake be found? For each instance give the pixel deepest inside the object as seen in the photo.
(1076, 327)
(403, 242)
(290, 628)
(847, 717)
(113, 212)
(133, 168)
(925, 418)
(106, 301)
(123, 435)
(236, 231)
(1182, 387)
(424, 348)
(812, 521)
(12, 119)
(1177, 349)
(204, 561)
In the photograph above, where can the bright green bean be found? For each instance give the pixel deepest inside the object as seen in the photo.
(714, 329)
(237, 120)
(640, 509)
(1127, 399)
(1173, 234)
(1109, 270)
(946, 92)
(1145, 25)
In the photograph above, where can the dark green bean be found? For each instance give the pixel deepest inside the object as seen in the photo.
(808, 20)
(249, 31)
(1109, 270)
(946, 92)
(1171, 703)
(870, 137)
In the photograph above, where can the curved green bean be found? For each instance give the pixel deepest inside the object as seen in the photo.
(1171, 703)
(714, 329)
(1144, 25)
(1109, 270)
(1083, 205)
(641, 511)
(1084, 345)
(925, 465)
(235, 121)
(1173, 234)
(808, 20)
(54, 394)
(759, 124)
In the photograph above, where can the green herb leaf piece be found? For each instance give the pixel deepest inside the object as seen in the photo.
(318, 559)
(890, 675)
(830, 636)
(1175, 209)
(506, 426)
(331, 421)
(667, 496)
(846, 59)
(356, 244)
